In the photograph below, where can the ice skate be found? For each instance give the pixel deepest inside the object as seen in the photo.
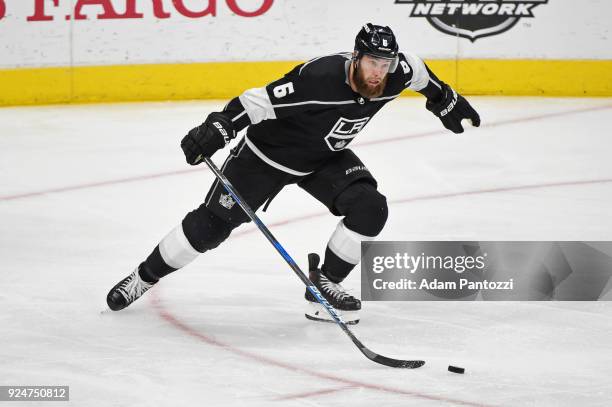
(347, 306)
(127, 291)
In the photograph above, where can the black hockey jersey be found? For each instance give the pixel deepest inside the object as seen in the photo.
(298, 122)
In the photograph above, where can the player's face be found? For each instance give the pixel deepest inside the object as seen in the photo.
(370, 77)
(374, 69)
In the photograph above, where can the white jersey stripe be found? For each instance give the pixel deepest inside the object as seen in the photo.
(271, 163)
(239, 116)
(316, 102)
(339, 102)
(435, 83)
(385, 98)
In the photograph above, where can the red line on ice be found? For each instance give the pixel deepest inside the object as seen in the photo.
(175, 322)
(312, 393)
(442, 196)
(358, 144)
(486, 125)
(350, 383)
(100, 184)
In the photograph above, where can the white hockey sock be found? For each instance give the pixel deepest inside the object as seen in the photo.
(346, 244)
(175, 249)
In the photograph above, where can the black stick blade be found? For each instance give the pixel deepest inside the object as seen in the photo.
(383, 360)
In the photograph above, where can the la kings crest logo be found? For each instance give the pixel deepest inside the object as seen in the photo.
(226, 201)
(343, 132)
(473, 19)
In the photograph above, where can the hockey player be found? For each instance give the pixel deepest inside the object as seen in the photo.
(298, 131)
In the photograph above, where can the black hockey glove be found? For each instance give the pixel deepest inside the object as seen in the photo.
(207, 138)
(453, 108)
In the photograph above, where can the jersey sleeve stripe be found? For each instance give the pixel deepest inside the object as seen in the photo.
(239, 116)
(257, 105)
(420, 76)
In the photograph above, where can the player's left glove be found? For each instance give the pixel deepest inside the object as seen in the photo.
(453, 108)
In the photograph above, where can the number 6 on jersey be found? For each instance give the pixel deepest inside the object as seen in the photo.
(283, 90)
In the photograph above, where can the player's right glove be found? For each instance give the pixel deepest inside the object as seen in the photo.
(207, 138)
(453, 108)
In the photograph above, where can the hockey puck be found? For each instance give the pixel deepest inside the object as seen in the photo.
(456, 369)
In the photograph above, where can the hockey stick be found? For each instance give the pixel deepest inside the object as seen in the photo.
(383, 360)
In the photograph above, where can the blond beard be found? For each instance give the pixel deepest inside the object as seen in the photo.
(365, 90)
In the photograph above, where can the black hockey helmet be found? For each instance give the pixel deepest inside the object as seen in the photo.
(377, 41)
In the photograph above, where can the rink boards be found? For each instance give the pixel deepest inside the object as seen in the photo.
(112, 50)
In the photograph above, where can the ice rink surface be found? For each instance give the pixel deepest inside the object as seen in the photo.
(87, 191)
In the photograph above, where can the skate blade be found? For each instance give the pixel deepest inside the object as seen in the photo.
(316, 312)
